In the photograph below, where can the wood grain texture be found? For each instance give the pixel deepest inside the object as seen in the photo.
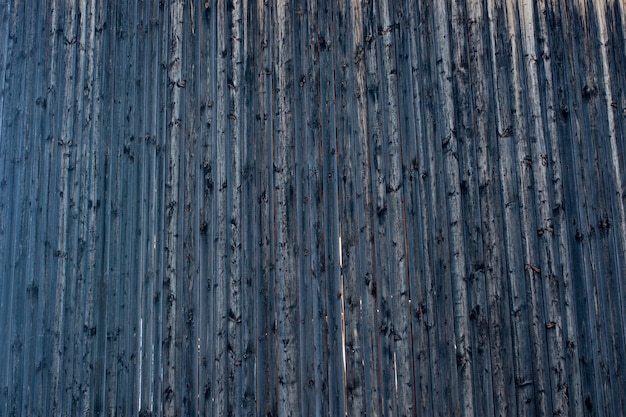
(289, 207)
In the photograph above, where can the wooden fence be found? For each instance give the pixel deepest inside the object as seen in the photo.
(312, 208)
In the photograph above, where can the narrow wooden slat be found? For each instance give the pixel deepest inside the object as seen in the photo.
(613, 184)
(428, 353)
(32, 369)
(235, 82)
(208, 221)
(449, 322)
(143, 292)
(330, 302)
(409, 121)
(558, 125)
(224, 359)
(30, 287)
(302, 144)
(347, 142)
(17, 285)
(365, 213)
(5, 192)
(316, 223)
(249, 232)
(150, 155)
(77, 334)
(379, 319)
(287, 341)
(398, 332)
(266, 375)
(494, 311)
(595, 211)
(93, 206)
(588, 340)
(187, 349)
(63, 355)
(415, 157)
(84, 358)
(129, 149)
(472, 363)
(173, 262)
(98, 222)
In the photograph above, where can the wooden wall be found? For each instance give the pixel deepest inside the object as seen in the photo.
(312, 208)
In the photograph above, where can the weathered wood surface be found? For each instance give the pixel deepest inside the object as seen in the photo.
(312, 208)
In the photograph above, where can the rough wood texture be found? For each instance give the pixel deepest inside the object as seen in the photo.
(312, 208)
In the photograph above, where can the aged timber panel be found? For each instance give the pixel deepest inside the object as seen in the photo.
(312, 208)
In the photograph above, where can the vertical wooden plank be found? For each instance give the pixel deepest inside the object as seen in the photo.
(415, 157)
(120, 177)
(508, 171)
(444, 169)
(107, 284)
(18, 171)
(18, 182)
(162, 340)
(547, 342)
(236, 114)
(612, 206)
(151, 155)
(398, 333)
(128, 206)
(97, 402)
(202, 194)
(615, 26)
(382, 140)
(94, 57)
(208, 220)
(483, 46)
(347, 165)
(5, 12)
(383, 399)
(78, 330)
(62, 355)
(425, 314)
(555, 253)
(578, 161)
(469, 18)
(304, 206)
(518, 22)
(159, 20)
(596, 216)
(51, 263)
(287, 343)
(144, 293)
(331, 260)
(32, 366)
(378, 73)
(23, 264)
(409, 121)
(364, 192)
(136, 231)
(250, 236)
(266, 379)
(81, 323)
(5, 59)
(317, 219)
(465, 225)
(174, 134)
(187, 349)
(224, 360)
(558, 24)
(23, 168)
